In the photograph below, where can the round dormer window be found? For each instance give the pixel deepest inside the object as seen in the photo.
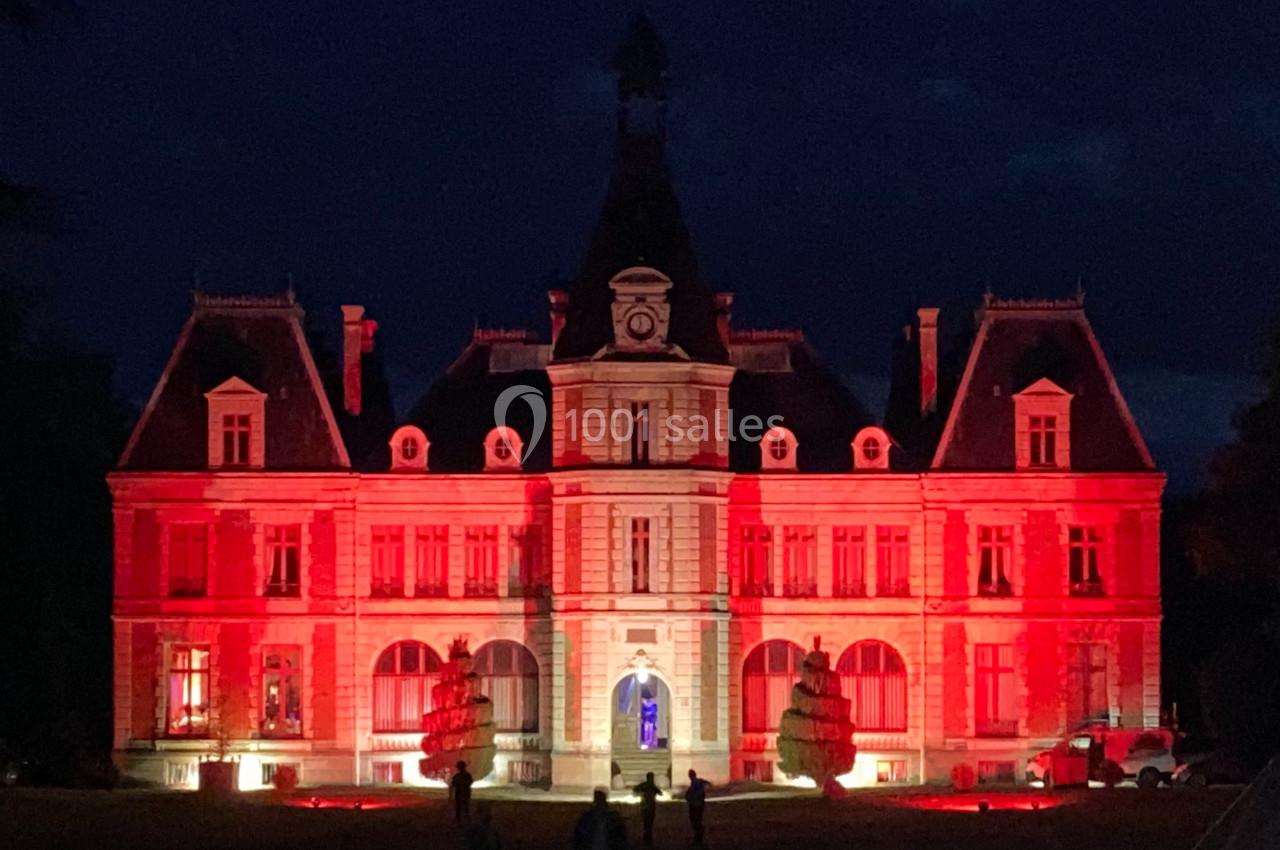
(408, 448)
(502, 449)
(871, 449)
(778, 448)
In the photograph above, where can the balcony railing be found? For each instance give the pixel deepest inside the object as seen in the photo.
(431, 591)
(283, 589)
(995, 588)
(800, 589)
(893, 588)
(850, 590)
(996, 729)
(387, 589)
(755, 590)
(1087, 588)
(474, 588)
(187, 588)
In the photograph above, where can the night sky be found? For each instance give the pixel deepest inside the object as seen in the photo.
(838, 163)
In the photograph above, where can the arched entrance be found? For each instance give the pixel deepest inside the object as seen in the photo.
(641, 730)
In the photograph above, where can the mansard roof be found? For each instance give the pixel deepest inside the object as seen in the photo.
(1019, 343)
(779, 374)
(255, 339)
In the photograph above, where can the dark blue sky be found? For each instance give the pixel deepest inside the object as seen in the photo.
(837, 162)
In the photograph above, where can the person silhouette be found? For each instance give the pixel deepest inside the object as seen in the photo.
(460, 793)
(649, 793)
(599, 828)
(696, 797)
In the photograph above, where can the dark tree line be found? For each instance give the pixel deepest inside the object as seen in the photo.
(1222, 582)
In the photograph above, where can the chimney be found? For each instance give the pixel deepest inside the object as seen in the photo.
(559, 307)
(357, 340)
(724, 316)
(928, 359)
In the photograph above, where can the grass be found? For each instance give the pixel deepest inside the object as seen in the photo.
(1168, 819)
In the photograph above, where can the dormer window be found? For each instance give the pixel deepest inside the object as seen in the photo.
(235, 423)
(409, 449)
(1043, 426)
(871, 449)
(778, 449)
(502, 450)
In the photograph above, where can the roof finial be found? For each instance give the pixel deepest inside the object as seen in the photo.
(641, 64)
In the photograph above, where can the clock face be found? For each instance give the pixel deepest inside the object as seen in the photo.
(640, 325)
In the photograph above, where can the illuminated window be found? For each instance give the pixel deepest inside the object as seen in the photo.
(388, 772)
(757, 560)
(799, 561)
(996, 773)
(874, 678)
(503, 448)
(402, 682)
(995, 560)
(893, 560)
(235, 439)
(1087, 683)
(778, 449)
(282, 692)
(849, 560)
(187, 710)
(284, 560)
(640, 555)
(639, 433)
(871, 449)
(408, 449)
(188, 558)
(481, 577)
(996, 709)
(432, 578)
(509, 678)
(526, 557)
(1084, 574)
(768, 674)
(1043, 432)
(388, 561)
(892, 771)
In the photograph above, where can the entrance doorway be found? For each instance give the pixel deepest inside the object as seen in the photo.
(641, 730)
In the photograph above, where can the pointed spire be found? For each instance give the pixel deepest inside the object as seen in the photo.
(641, 61)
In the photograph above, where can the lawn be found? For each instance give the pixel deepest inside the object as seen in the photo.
(1168, 819)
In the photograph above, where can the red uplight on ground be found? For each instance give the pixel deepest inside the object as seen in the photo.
(973, 803)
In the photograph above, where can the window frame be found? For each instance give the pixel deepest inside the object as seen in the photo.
(293, 677)
(995, 559)
(194, 678)
(281, 540)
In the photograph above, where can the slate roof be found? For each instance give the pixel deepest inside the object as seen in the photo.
(257, 339)
(1018, 343)
(641, 222)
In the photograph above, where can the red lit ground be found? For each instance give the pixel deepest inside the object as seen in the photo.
(1167, 819)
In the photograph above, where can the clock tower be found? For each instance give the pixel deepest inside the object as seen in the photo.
(641, 313)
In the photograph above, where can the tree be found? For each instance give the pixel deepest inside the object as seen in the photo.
(460, 725)
(1235, 545)
(815, 737)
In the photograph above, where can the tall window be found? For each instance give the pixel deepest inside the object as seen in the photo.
(849, 560)
(1086, 683)
(640, 433)
(1043, 433)
(757, 560)
(640, 543)
(768, 675)
(509, 678)
(874, 678)
(187, 709)
(482, 561)
(188, 558)
(799, 561)
(1085, 576)
(402, 682)
(526, 559)
(282, 692)
(388, 561)
(995, 560)
(996, 710)
(235, 439)
(432, 578)
(893, 559)
(284, 560)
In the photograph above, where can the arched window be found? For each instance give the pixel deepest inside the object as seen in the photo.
(509, 678)
(873, 676)
(778, 449)
(768, 675)
(402, 682)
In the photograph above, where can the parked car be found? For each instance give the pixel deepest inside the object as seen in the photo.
(1099, 753)
(1216, 767)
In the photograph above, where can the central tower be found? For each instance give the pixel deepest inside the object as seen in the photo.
(640, 379)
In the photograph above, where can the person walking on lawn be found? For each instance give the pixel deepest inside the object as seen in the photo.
(598, 828)
(649, 793)
(460, 793)
(696, 797)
